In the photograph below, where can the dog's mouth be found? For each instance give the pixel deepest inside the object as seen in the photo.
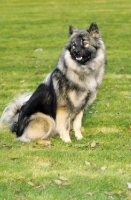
(82, 58)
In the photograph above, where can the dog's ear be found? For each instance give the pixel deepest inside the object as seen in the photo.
(94, 30)
(71, 30)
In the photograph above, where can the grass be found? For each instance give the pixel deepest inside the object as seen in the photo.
(97, 167)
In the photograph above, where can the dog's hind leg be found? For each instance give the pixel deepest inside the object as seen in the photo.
(77, 125)
(40, 126)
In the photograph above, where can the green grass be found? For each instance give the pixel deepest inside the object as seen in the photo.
(30, 171)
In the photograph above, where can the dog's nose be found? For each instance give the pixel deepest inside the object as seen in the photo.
(77, 51)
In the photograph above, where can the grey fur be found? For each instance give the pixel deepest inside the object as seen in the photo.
(76, 79)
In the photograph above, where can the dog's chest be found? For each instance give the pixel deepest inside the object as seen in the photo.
(77, 99)
(80, 96)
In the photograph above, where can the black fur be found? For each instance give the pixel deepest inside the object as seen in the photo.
(43, 100)
(59, 102)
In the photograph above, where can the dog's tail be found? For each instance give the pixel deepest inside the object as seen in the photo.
(11, 112)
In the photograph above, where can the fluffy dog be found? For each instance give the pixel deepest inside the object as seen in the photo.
(60, 100)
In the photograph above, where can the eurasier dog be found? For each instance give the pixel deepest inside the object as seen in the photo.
(58, 103)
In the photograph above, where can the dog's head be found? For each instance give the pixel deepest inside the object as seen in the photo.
(83, 44)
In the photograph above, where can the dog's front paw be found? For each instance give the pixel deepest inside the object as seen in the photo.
(78, 135)
(65, 138)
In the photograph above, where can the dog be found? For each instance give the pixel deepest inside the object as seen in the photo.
(57, 105)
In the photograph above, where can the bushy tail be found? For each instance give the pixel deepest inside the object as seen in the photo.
(11, 112)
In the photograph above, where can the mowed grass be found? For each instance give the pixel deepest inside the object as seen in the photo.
(99, 166)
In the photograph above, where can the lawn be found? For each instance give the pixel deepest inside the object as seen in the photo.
(98, 167)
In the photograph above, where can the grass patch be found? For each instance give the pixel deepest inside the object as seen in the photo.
(98, 167)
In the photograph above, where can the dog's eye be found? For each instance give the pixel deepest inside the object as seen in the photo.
(74, 46)
(84, 42)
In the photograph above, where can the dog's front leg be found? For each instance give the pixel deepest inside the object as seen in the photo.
(63, 124)
(77, 125)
